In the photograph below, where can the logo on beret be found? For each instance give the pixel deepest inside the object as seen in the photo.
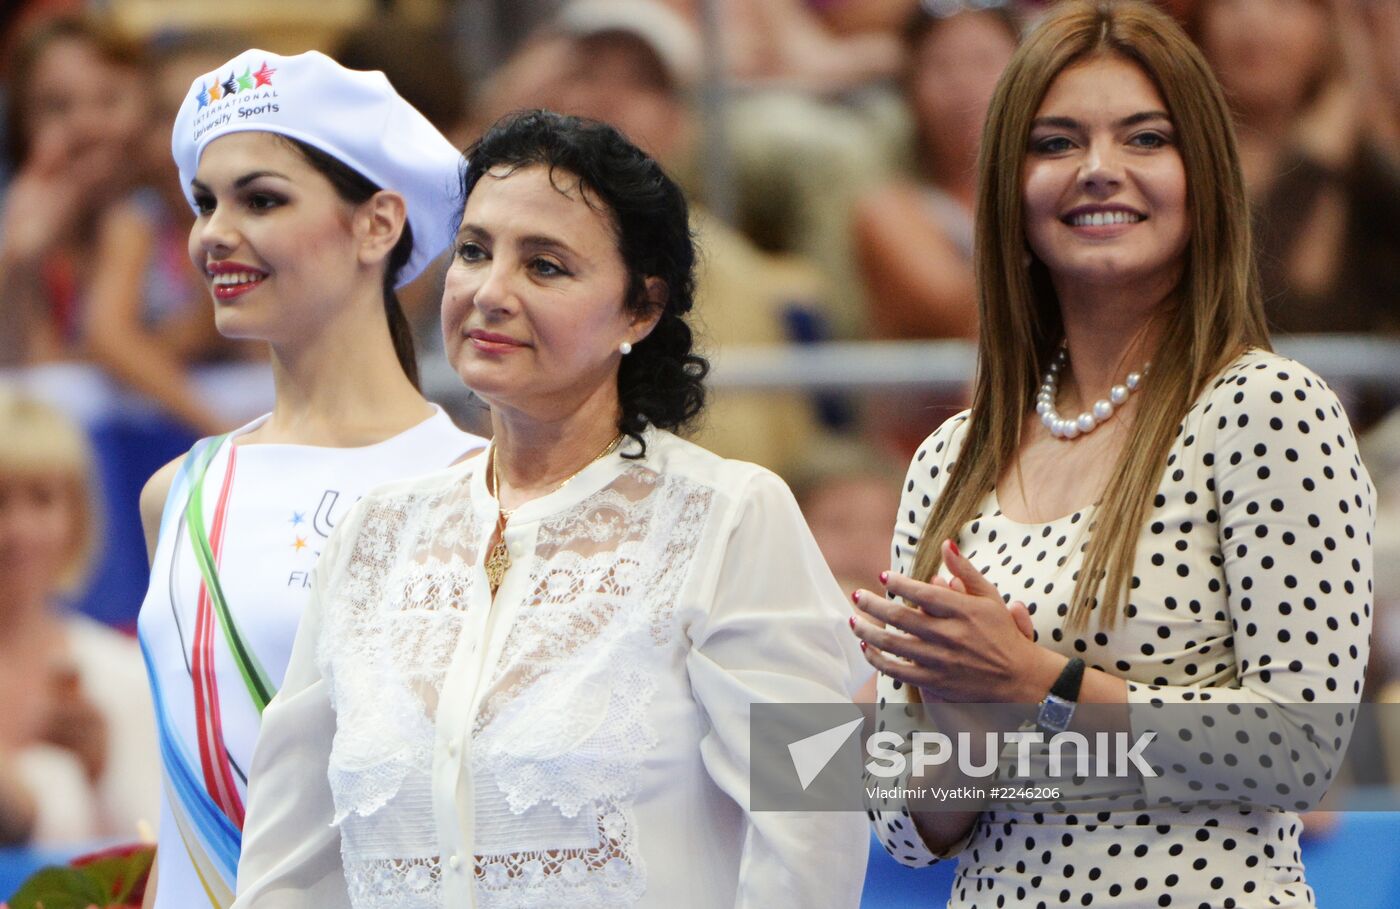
(253, 95)
(234, 84)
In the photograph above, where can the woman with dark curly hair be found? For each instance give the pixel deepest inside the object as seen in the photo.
(525, 680)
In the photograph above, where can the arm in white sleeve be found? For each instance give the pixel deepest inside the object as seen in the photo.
(291, 851)
(776, 632)
(1297, 512)
(928, 472)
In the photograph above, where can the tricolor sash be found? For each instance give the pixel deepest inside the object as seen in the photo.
(200, 782)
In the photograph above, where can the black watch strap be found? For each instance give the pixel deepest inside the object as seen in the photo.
(1066, 687)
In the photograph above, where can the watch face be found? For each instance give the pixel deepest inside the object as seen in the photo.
(1055, 714)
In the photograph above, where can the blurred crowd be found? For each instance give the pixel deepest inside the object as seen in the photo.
(829, 148)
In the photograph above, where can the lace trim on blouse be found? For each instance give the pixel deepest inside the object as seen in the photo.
(562, 731)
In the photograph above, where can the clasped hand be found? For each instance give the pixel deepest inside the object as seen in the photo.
(957, 640)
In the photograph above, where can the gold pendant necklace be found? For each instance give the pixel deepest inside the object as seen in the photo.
(498, 560)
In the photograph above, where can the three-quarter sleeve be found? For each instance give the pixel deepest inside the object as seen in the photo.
(1296, 514)
(291, 851)
(774, 631)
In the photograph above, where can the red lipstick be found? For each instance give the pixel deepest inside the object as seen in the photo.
(232, 279)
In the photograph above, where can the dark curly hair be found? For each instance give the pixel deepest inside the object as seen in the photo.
(662, 381)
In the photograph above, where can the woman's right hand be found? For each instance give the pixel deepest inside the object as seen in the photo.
(47, 197)
(75, 723)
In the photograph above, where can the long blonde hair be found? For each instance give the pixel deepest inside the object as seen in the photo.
(36, 439)
(1217, 315)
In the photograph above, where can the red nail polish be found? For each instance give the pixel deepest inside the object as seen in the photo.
(884, 577)
(853, 623)
(954, 547)
(855, 596)
(863, 645)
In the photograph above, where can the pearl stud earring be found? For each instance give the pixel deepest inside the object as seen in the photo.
(625, 348)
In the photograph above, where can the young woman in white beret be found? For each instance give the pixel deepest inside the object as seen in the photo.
(318, 191)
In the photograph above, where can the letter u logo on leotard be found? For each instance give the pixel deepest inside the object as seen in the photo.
(322, 522)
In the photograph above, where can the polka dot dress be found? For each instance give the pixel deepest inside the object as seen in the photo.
(1252, 585)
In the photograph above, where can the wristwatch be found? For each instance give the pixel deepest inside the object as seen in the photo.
(1057, 709)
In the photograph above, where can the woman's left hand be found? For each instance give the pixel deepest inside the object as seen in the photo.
(960, 641)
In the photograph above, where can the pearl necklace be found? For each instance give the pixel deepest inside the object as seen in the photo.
(1104, 408)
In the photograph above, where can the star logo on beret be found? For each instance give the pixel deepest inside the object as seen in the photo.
(263, 76)
(203, 96)
(245, 81)
(230, 85)
(214, 93)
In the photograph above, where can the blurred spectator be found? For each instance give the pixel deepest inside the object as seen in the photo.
(527, 79)
(812, 127)
(78, 736)
(826, 46)
(848, 494)
(1315, 90)
(788, 43)
(799, 165)
(421, 63)
(1380, 449)
(74, 112)
(795, 163)
(494, 31)
(914, 240)
(1184, 11)
(634, 63)
(854, 16)
(147, 318)
(913, 237)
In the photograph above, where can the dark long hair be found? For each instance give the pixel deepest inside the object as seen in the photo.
(661, 382)
(355, 188)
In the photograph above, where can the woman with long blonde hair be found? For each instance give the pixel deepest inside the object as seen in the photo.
(77, 733)
(1175, 514)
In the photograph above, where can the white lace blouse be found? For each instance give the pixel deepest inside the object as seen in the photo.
(581, 741)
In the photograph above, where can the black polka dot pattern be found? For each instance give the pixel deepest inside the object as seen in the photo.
(1252, 585)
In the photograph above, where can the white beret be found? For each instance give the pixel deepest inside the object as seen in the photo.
(356, 117)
